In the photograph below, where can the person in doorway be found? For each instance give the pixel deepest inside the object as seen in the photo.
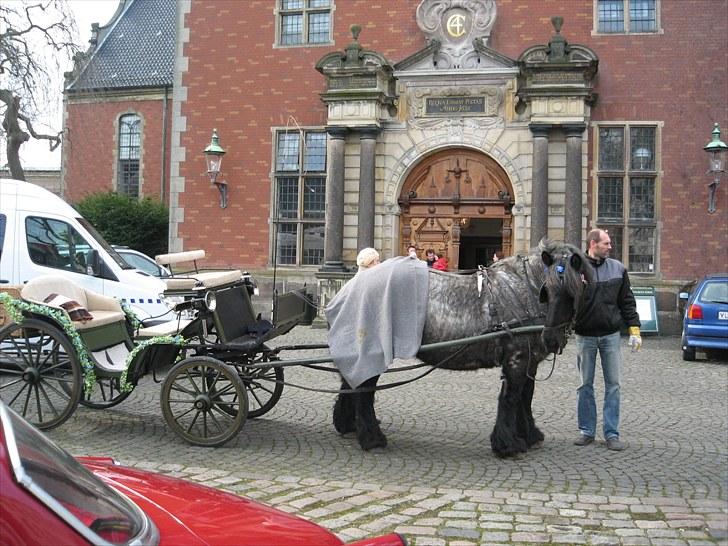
(440, 264)
(608, 304)
(367, 258)
(412, 252)
(430, 257)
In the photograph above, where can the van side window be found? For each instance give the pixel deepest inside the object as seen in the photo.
(53, 243)
(3, 221)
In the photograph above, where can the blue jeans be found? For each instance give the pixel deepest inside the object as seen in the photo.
(610, 355)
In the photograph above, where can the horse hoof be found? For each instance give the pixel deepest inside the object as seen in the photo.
(372, 440)
(344, 428)
(537, 445)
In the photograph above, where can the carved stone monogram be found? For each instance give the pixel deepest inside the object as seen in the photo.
(455, 24)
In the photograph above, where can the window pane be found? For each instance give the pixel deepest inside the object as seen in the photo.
(128, 182)
(642, 199)
(319, 3)
(287, 153)
(129, 137)
(313, 244)
(288, 197)
(291, 29)
(318, 28)
(314, 198)
(292, 4)
(615, 235)
(611, 15)
(642, 146)
(286, 251)
(610, 198)
(611, 148)
(53, 243)
(641, 249)
(642, 16)
(315, 152)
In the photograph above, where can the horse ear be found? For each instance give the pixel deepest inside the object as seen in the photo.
(546, 258)
(576, 262)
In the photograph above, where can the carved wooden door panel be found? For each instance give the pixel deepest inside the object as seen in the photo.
(447, 191)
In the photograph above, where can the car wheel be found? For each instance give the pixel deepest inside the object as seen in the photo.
(688, 353)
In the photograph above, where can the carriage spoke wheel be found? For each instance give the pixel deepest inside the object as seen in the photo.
(106, 393)
(193, 396)
(264, 386)
(40, 376)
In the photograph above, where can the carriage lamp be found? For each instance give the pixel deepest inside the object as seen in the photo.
(717, 149)
(213, 158)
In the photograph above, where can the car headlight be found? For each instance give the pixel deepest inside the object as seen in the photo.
(171, 301)
(211, 301)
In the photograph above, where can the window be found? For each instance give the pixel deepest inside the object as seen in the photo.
(626, 192)
(53, 243)
(300, 197)
(304, 22)
(129, 146)
(626, 16)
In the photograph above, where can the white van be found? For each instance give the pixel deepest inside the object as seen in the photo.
(40, 234)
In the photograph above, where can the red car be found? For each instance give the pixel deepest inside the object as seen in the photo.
(48, 497)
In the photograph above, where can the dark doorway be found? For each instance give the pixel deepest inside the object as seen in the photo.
(479, 240)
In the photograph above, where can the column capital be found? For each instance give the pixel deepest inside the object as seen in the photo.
(337, 132)
(540, 129)
(573, 129)
(370, 131)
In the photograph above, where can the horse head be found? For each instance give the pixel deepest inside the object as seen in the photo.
(567, 272)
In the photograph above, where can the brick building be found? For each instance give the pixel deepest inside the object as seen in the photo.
(468, 126)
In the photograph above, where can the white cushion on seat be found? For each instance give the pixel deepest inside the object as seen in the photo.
(179, 257)
(208, 279)
(169, 328)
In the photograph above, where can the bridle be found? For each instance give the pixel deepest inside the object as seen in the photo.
(566, 326)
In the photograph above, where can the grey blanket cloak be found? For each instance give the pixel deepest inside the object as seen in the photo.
(379, 315)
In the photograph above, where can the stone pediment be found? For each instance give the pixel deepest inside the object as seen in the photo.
(457, 34)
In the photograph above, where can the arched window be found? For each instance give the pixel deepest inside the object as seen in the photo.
(129, 147)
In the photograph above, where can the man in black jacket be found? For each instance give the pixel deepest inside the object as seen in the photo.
(608, 303)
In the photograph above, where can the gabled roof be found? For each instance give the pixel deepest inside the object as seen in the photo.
(136, 49)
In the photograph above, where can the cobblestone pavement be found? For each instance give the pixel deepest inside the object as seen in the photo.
(438, 482)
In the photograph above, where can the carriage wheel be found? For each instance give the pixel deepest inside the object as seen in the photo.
(265, 387)
(40, 376)
(193, 396)
(106, 393)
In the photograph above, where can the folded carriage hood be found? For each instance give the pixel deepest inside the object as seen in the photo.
(192, 514)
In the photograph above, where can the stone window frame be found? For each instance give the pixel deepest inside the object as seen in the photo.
(279, 12)
(117, 151)
(301, 175)
(620, 229)
(626, 20)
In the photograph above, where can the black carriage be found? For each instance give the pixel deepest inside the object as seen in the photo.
(50, 363)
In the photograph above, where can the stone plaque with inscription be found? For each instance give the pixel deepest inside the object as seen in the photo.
(445, 106)
(353, 82)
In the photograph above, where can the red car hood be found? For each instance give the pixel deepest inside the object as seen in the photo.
(185, 512)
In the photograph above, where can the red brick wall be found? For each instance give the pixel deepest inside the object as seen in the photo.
(238, 83)
(92, 137)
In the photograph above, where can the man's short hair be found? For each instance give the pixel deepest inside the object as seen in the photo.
(429, 251)
(411, 246)
(594, 235)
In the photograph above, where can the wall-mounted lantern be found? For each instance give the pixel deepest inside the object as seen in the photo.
(213, 158)
(717, 149)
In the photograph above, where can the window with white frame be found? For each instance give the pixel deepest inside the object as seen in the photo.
(626, 16)
(627, 189)
(300, 197)
(127, 181)
(303, 22)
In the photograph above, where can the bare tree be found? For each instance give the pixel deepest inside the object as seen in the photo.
(37, 37)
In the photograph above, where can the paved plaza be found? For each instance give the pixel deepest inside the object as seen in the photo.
(438, 482)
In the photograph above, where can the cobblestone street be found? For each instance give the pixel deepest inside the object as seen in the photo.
(438, 482)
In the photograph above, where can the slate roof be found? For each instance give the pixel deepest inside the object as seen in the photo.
(137, 51)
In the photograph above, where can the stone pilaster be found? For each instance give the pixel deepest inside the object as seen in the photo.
(573, 191)
(334, 231)
(539, 182)
(365, 232)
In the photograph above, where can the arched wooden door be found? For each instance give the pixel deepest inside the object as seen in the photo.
(456, 200)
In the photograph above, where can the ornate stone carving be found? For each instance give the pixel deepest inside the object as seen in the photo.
(454, 25)
(418, 117)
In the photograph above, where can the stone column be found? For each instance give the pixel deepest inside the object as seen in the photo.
(573, 196)
(334, 230)
(365, 233)
(540, 182)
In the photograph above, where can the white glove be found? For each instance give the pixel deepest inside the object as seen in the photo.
(635, 340)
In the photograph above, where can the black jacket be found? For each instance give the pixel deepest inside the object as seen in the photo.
(608, 301)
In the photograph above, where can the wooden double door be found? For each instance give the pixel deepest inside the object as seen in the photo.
(457, 202)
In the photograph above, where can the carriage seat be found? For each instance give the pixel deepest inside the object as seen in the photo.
(169, 328)
(207, 279)
(104, 309)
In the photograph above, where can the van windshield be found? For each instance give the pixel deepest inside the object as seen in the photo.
(106, 246)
